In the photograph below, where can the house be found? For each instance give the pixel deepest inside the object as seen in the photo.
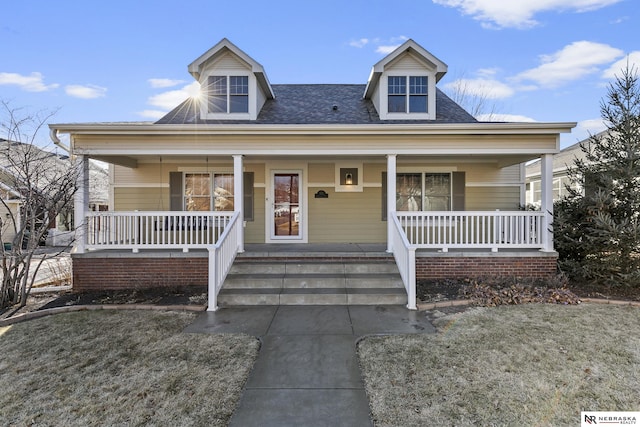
(26, 170)
(562, 162)
(261, 172)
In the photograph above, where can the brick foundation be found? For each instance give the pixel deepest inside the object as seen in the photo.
(459, 267)
(98, 271)
(94, 273)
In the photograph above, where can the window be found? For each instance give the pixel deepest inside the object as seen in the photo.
(223, 192)
(423, 192)
(197, 192)
(228, 94)
(398, 102)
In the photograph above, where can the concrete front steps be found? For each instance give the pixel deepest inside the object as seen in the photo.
(313, 282)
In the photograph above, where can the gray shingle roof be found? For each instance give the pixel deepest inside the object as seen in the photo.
(314, 104)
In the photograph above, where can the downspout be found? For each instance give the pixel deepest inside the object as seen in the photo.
(53, 134)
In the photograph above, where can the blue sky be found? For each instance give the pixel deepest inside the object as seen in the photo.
(547, 61)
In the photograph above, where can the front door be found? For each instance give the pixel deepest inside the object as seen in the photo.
(286, 213)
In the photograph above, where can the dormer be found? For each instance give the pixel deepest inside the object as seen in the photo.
(402, 86)
(233, 85)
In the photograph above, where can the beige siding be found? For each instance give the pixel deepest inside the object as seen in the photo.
(254, 232)
(372, 173)
(229, 62)
(407, 62)
(346, 217)
(493, 174)
(321, 173)
(141, 198)
(492, 198)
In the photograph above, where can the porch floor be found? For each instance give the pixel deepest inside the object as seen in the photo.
(314, 249)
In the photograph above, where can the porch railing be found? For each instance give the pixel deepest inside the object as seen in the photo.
(459, 230)
(480, 229)
(405, 255)
(221, 258)
(154, 230)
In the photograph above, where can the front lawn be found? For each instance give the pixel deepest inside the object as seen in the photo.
(534, 364)
(120, 368)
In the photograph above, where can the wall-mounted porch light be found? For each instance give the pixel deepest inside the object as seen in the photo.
(348, 176)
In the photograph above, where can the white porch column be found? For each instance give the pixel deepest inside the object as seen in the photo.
(546, 173)
(238, 197)
(81, 203)
(391, 198)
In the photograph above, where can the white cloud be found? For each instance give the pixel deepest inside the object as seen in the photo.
(152, 114)
(497, 117)
(85, 91)
(171, 99)
(359, 43)
(480, 88)
(519, 13)
(632, 59)
(31, 83)
(162, 83)
(385, 50)
(572, 62)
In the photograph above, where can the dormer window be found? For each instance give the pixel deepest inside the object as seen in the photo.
(415, 101)
(228, 94)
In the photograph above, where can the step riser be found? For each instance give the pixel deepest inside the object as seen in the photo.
(313, 283)
(313, 268)
(340, 299)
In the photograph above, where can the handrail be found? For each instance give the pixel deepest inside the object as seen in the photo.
(221, 258)
(405, 255)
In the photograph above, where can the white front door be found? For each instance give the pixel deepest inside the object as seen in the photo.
(285, 206)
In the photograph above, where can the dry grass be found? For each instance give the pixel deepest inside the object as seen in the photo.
(120, 368)
(533, 364)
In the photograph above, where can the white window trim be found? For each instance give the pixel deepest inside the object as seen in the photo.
(384, 95)
(252, 96)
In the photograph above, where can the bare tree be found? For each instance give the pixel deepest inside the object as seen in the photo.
(476, 100)
(43, 184)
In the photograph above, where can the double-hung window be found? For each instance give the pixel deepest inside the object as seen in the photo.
(407, 94)
(199, 195)
(423, 191)
(228, 94)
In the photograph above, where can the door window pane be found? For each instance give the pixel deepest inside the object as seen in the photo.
(286, 208)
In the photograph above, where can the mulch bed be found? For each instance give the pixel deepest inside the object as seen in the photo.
(192, 295)
(497, 291)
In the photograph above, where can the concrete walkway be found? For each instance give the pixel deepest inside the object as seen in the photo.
(307, 372)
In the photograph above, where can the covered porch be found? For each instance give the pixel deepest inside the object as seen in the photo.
(423, 244)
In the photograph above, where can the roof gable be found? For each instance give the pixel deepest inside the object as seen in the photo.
(409, 49)
(225, 50)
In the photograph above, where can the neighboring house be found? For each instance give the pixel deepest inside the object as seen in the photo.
(562, 162)
(250, 166)
(44, 165)
(19, 161)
